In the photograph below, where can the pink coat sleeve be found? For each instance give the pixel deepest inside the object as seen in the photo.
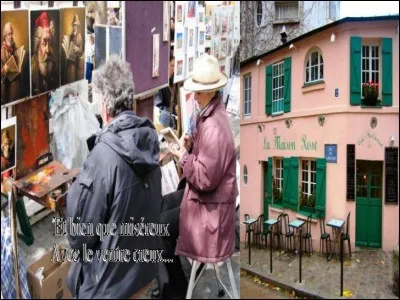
(205, 170)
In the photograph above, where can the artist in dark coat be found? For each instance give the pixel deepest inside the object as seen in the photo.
(121, 179)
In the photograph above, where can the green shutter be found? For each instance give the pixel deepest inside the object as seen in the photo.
(268, 90)
(387, 72)
(288, 83)
(269, 182)
(321, 186)
(355, 70)
(286, 181)
(294, 183)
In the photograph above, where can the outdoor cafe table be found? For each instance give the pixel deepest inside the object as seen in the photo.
(271, 223)
(297, 224)
(337, 226)
(249, 222)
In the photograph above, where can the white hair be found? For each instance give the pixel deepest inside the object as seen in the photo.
(37, 36)
(114, 81)
(6, 29)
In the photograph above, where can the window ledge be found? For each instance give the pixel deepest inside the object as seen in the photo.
(369, 106)
(277, 115)
(313, 86)
(277, 207)
(247, 117)
(302, 215)
(286, 21)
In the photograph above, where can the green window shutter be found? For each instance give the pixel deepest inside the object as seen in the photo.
(387, 72)
(286, 181)
(269, 180)
(321, 186)
(287, 84)
(268, 90)
(355, 70)
(294, 183)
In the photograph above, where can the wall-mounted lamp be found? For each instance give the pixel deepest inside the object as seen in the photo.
(333, 37)
(321, 120)
(259, 61)
(288, 123)
(392, 140)
(260, 127)
(292, 47)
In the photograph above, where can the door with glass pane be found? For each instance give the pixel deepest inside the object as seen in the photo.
(369, 204)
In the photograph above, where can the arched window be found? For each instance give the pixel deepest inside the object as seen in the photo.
(314, 66)
(259, 13)
(245, 174)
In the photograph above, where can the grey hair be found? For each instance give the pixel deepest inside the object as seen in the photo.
(7, 27)
(37, 37)
(114, 81)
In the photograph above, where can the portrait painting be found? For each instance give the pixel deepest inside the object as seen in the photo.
(15, 80)
(201, 17)
(179, 40)
(156, 55)
(191, 9)
(8, 144)
(190, 64)
(222, 53)
(72, 42)
(45, 56)
(179, 12)
(216, 47)
(179, 68)
(96, 14)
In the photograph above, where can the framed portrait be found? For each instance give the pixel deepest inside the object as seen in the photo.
(45, 47)
(15, 56)
(191, 12)
(201, 15)
(72, 44)
(179, 12)
(8, 145)
(179, 72)
(156, 55)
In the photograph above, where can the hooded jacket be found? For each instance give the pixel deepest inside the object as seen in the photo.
(121, 179)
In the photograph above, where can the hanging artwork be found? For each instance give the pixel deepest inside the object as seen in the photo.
(201, 14)
(201, 37)
(224, 20)
(96, 14)
(179, 72)
(222, 53)
(217, 21)
(191, 9)
(45, 56)
(8, 144)
(216, 46)
(208, 22)
(187, 107)
(179, 41)
(179, 10)
(156, 55)
(165, 21)
(72, 43)
(191, 38)
(14, 56)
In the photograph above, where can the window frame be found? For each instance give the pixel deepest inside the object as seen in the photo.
(286, 3)
(259, 16)
(280, 100)
(319, 65)
(309, 172)
(370, 44)
(278, 178)
(247, 88)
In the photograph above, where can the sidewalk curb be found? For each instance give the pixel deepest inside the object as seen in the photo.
(299, 292)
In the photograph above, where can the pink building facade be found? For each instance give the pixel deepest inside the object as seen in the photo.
(315, 141)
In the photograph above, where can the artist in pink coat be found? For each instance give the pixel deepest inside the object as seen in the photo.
(207, 218)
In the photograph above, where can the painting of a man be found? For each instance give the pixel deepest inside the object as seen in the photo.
(7, 150)
(14, 63)
(44, 62)
(72, 59)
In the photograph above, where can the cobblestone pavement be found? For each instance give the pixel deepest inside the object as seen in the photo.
(249, 289)
(367, 275)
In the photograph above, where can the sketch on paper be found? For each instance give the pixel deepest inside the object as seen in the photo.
(156, 55)
(201, 37)
(166, 21)
(191, 9)
(14, 56)
(179, 41)
(191, 37)
(208, 28)
(170, 178)
(179, 13)
(190, 64)
(8, 144)
(224, 22)
(222, 53)
(216, 47)
(179, 68)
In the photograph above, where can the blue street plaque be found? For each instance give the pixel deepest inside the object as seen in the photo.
(336, 93)
(331, 153)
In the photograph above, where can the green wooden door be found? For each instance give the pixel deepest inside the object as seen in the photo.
(267, 195)
(369, 204)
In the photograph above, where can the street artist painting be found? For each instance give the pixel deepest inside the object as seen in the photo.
(14, 56)
(8, 144)
(208, 161)
(72, 44)
(45, 49)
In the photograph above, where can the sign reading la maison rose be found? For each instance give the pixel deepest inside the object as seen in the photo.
(282, 144)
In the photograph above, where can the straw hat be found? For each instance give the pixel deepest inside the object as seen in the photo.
(207, 76)
(76, 21)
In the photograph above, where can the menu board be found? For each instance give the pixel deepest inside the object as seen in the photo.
(391, 175)
(351, 161)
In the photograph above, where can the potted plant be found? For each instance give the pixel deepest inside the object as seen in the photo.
(371, 93)
(307, 203)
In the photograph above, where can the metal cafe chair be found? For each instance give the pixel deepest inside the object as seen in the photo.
(289, 234)
(306, 236)
(258, 233)
(249, 228)
(325, 237)
(346, 235)
(278, 234)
